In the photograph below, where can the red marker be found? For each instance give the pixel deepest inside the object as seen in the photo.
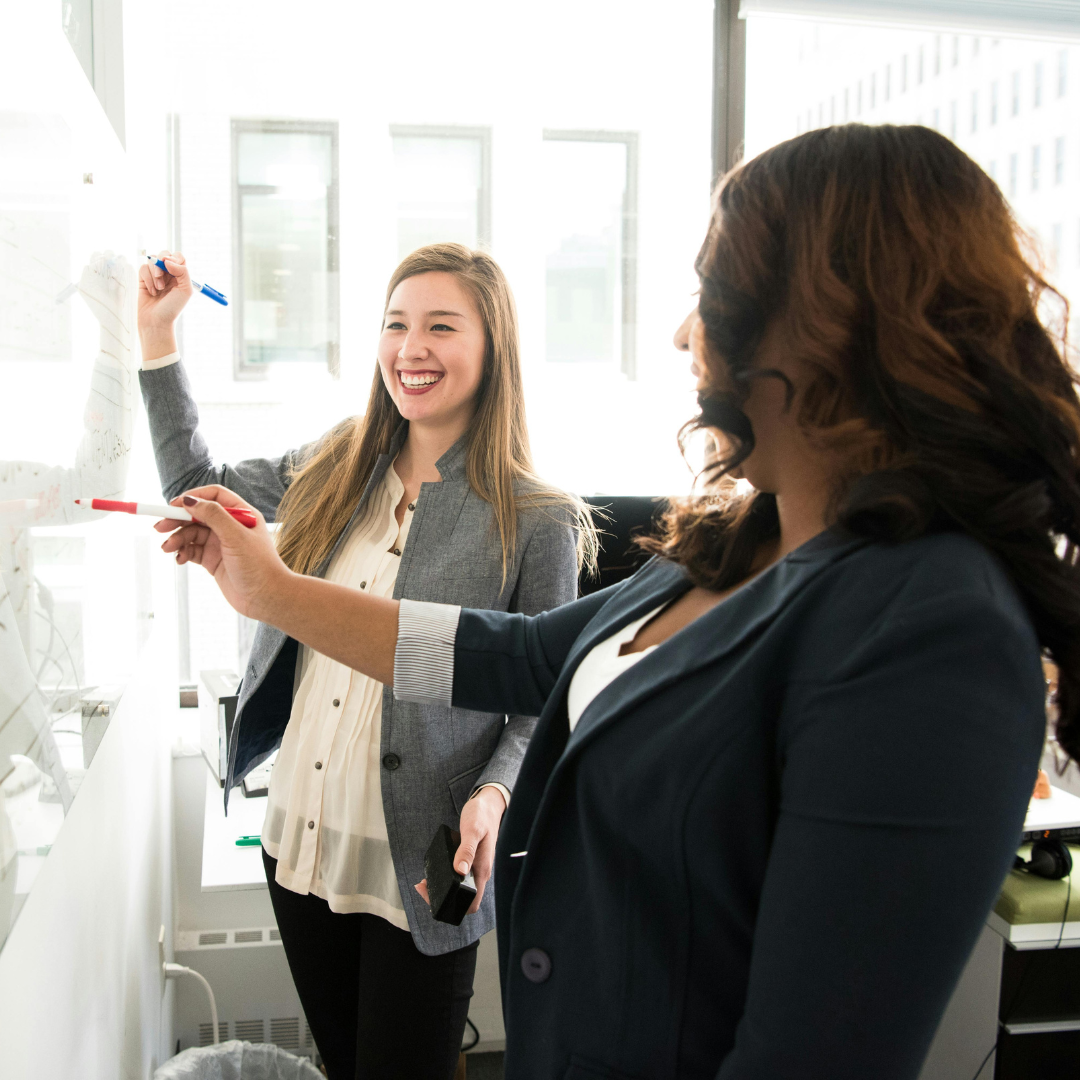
(176, 513)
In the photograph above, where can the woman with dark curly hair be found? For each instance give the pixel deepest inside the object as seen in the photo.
(780, 774)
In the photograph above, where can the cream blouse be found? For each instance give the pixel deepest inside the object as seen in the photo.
(324, 820)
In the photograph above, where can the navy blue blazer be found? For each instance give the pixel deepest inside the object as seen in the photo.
(768, 848)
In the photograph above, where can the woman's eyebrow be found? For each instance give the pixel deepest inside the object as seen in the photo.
(432, 314)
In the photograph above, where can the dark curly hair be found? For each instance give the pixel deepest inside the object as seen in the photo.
(899, 270)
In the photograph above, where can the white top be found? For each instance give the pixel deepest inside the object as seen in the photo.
(603, 665)
(324, 820)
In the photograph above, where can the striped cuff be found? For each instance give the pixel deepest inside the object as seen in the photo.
(424, 657)
(160, 361)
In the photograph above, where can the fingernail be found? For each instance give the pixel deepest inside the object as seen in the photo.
(463, 867)
(189, 500)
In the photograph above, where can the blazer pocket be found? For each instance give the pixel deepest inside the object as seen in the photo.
(580, 1069)
(461, 786)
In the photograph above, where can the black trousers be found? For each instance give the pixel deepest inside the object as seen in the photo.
(378, 1008)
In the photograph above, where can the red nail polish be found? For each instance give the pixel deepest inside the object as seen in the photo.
(189, 501)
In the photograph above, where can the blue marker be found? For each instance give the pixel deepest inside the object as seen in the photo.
(206, 290)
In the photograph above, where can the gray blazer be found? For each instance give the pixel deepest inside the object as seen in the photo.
(434, 756)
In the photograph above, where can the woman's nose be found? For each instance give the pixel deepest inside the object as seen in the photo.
(412, 348)
(682, 335)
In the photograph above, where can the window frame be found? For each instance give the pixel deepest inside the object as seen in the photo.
(457, 131)
(628, 359)
(242, 370)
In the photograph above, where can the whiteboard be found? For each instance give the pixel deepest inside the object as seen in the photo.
(70, 599)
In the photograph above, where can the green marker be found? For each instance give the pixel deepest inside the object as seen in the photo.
(249, 841)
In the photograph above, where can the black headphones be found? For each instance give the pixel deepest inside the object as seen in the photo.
(1050, 858)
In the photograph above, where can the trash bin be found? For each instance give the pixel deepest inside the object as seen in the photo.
(236, 1060)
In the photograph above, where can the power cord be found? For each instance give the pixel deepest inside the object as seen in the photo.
(476, 1036)
(174, 971)
(1023, 979)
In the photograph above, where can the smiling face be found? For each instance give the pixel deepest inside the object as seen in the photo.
(431, 351)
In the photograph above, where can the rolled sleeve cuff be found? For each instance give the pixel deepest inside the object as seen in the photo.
(160, 361)
(502, 789)
(424, 657)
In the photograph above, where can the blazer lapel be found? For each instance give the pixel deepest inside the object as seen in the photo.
(740, 617)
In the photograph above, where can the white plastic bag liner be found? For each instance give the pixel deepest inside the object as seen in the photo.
(236, 1060)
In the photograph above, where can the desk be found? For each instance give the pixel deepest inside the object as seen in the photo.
(1039, 920)
(225, 866)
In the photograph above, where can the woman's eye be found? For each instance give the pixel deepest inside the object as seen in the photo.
(395, 326)
(441, 326)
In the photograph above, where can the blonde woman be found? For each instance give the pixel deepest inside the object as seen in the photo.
(429, 496)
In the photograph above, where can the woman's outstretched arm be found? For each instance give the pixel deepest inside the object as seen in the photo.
(499, 662)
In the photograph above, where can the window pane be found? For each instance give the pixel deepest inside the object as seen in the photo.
(1026, 146)
(585, 190)
(285, 240)
(439, 184)
(296, 161)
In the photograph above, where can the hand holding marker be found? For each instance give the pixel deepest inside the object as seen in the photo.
(174, 513)
(206, 290)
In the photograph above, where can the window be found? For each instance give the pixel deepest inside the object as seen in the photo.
(955, 50)
(975, 42)
(1056, 235)
(873, 90)
(974, 111)
(1038, 87)
(1059, 160)
(936, 125)
(1016, 93)
(442, 178)
(832, 109)
(952, 120)
(1062, 73)
(937, 55)
(858, 98)
(992, 170)
(847, 110)
(590, 227)
(285, 227)
(903, 74)
(993, 103)
(1036, 163)
(1014, 168)
(919, 72)
(888, 81)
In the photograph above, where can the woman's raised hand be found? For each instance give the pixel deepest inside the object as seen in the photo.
(162, 296)
(244, 562)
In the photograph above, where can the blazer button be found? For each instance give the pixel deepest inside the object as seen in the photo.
(536, 964)
(391, 762)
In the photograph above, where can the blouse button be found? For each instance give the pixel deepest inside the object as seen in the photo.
(397, 551)
(337, 702)
(318, 764)
(412, 506)
(363, 584)
(311, 824)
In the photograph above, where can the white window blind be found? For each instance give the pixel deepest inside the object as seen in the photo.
(1037, 18)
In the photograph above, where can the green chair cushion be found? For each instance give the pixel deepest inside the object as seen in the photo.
(1026, 898)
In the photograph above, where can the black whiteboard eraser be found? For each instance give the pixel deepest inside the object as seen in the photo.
(449, 893)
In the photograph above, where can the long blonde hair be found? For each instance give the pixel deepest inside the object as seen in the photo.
(326, 487)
